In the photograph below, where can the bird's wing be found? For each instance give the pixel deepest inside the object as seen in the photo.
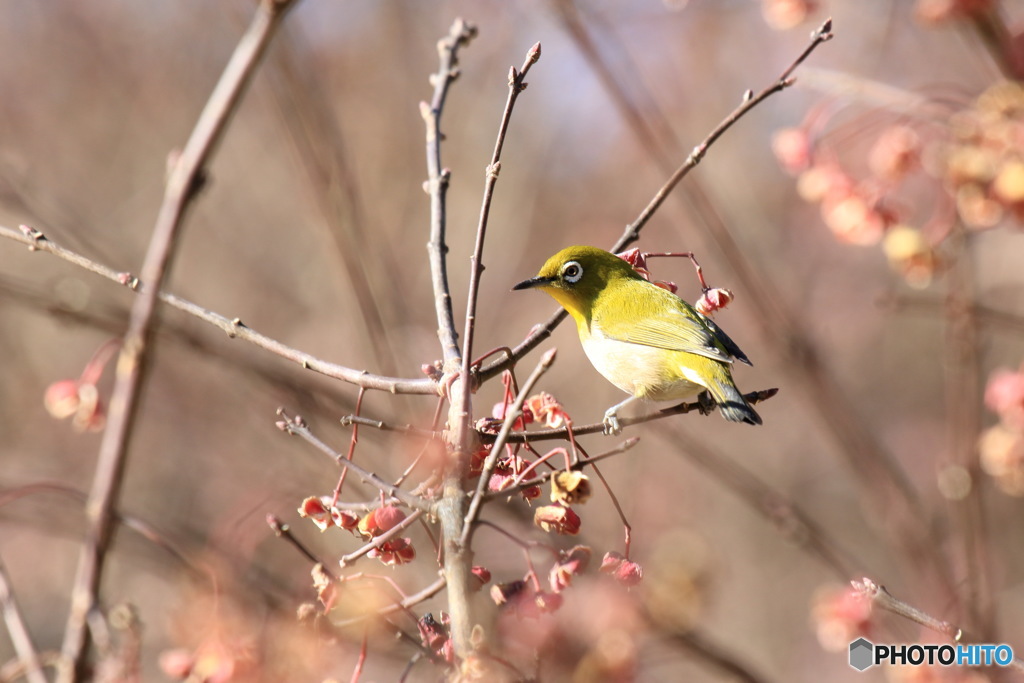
(675, 325)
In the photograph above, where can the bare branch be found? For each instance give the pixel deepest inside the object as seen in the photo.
(185, 179)
(233, 327)
(458, 36)
(516, 84)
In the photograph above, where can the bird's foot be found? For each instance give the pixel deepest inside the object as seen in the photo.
(705, 404)
(611, 422)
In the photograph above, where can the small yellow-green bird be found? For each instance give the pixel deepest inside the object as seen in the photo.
(644, 339)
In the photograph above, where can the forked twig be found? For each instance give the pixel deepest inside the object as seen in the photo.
(296, 426)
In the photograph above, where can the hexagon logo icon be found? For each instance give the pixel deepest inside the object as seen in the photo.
(861, 654)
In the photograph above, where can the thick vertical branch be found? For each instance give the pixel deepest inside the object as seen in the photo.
(452, 510)
(184, 181)
(963, 422)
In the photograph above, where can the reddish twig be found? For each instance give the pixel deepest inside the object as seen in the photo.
(351, 446)
(185, 179)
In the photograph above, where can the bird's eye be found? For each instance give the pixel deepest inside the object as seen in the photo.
(572, 272)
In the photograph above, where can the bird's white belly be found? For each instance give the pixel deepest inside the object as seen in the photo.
(643, 371)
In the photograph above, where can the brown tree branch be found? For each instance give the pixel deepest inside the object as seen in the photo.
(448, 47)
(185, 179)
(233, 327)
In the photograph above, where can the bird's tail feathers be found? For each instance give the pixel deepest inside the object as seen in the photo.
(732, 404)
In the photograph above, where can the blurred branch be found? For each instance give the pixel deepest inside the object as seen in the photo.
(414, 599)
(282, 530)
(999, 321)
(142, 528)
(18, 632)
(881, 597)
(962, 371)
(234, 327)
(111, 320)
(632, 231)
(185, 179)
(296, 426)
(780, 511)
(320, 151)
(458, 36)
(708, 652)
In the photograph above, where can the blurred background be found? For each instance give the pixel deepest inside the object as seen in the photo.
(871, 288)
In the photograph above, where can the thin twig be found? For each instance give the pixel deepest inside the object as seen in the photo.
(881, 597)
(516, 84)
(351, 420)
(378, 541)
(414, 599)
(511, 415)
(598, 428)
(282, 530)
(18, 632)
(632, 231)
(297, 427)
(233, 327)
(459, 35)
(182, 185)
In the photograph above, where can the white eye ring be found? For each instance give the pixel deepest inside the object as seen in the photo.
(572, 272)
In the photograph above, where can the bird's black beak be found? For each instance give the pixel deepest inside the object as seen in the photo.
(534, 282)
